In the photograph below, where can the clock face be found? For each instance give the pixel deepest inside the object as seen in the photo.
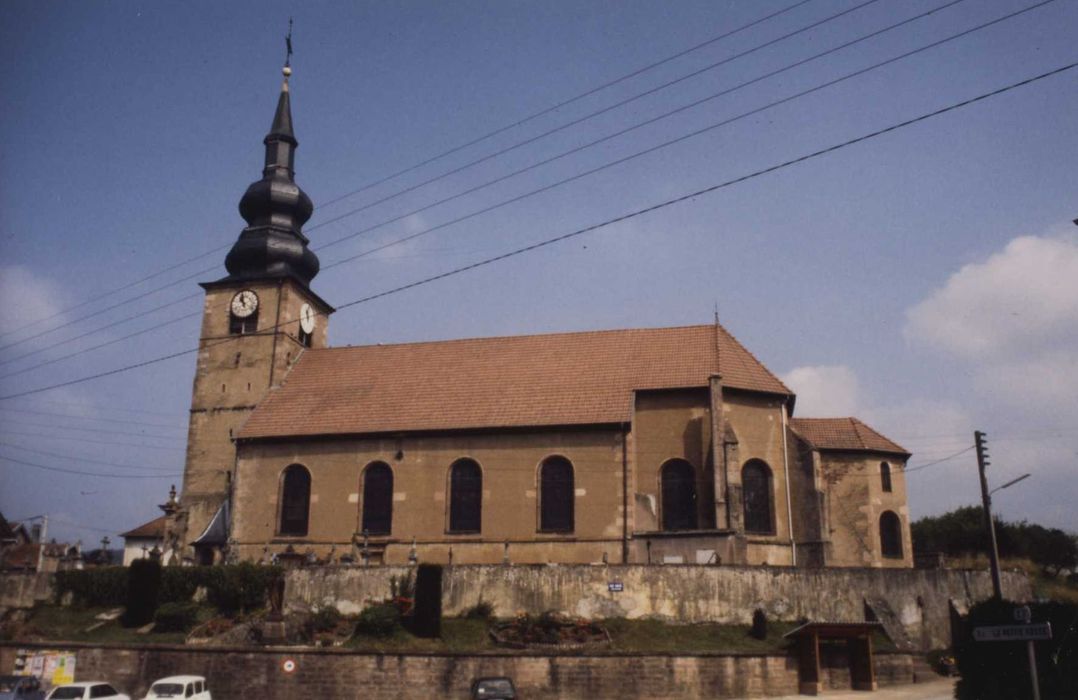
(306, 318)
(244, 303)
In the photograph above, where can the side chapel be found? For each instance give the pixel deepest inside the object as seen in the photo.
(658, 445)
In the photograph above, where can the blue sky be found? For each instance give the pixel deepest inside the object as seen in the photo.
(926, 280)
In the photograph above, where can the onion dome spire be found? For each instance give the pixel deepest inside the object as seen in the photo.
(275, 208)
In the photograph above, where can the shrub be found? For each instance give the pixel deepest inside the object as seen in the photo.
(324, 620)
(480, 611)
(143, 584)
(378, 620)
(427, 620)
(175, 617)
(104, 586)
(239, 588)
(759, 624)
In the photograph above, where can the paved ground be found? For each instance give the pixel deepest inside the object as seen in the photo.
(942, 689)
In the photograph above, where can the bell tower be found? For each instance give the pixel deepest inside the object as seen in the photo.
(256, 322)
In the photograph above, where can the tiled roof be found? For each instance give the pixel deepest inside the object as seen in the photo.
(843, 434)
(519, 381)
(154, 528)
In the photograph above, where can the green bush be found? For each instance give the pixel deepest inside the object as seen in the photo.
(143, 584)
(178, 584)
(242, 587)
(175, 617)
(324, 619)
(378, 620)
(1000, 670)
(101, 587)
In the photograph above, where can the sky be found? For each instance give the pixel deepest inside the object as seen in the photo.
(924, 280)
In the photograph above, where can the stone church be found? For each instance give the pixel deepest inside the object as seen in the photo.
(658, 445)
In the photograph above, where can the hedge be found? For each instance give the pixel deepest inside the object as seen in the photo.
(232, 589)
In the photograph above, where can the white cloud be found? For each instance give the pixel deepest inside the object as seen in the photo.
(27, 298)
(1020, 299)
(824, 391)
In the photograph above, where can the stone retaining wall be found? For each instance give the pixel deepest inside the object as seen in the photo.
(242, 673)
(913, 603)
(24, 590)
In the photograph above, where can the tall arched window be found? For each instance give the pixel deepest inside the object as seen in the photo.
(679, 495)
(465, 496)
(885, 476)
(295, 501)
(556, 495)
(891, 535)
(377, 499)
(756, 497)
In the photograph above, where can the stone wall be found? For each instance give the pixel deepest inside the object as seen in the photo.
(917, 601)
(24, 590)
(240, 673)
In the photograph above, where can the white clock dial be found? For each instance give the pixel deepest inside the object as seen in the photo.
(244, 303)
(306, 318)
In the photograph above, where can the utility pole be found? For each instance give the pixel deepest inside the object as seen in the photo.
(990, 525)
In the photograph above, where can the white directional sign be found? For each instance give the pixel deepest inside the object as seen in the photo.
(1013, 633)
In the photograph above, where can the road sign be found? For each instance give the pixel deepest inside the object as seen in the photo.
(615, 586)
(1013, 633)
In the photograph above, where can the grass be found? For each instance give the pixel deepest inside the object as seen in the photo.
(72, 624)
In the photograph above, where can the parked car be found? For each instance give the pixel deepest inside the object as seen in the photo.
(193, 687)
(86, 690)
(20, 688)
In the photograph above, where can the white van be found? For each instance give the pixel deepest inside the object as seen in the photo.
(177, 687)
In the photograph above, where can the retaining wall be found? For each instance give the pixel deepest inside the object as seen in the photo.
(915, 600)
(239, 673)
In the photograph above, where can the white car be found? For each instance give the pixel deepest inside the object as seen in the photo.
(185, 687)
(85, 691)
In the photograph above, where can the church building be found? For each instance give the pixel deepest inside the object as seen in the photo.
(656, 445)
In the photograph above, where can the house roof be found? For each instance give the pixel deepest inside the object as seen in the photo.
(155, 529)
(519, 381)
(846, 434)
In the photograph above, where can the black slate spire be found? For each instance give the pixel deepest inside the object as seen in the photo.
(275, 208)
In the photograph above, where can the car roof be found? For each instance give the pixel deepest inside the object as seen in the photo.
(179, 679)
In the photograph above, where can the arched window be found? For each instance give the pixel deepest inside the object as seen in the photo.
(891, 535)
(465, 496)
(679, 495)
(885, 476)
(756, 497)
(295, 501)
(556, 495)
(377, 499)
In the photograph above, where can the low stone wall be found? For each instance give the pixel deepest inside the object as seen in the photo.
(243, 673)
(915, 600)
(24, 590)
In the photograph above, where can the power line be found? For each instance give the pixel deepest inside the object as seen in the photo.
(427, 161)
(97, 330)
(97, 431)
(96, 407)
(121, 421)
(97, 474)
(80, 458)
(569, 101)
(939, 461)
(622, 103)
(632, 156)
(101, 345)
(88, 441)
(594, 227)
(631, 128)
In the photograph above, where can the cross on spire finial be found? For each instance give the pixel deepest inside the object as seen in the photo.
(288, 45)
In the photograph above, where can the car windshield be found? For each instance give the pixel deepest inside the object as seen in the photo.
(167, 690)
(66, 693)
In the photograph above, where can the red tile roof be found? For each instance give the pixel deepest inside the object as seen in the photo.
(847, 434)
(155, 528)
(519, 381)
